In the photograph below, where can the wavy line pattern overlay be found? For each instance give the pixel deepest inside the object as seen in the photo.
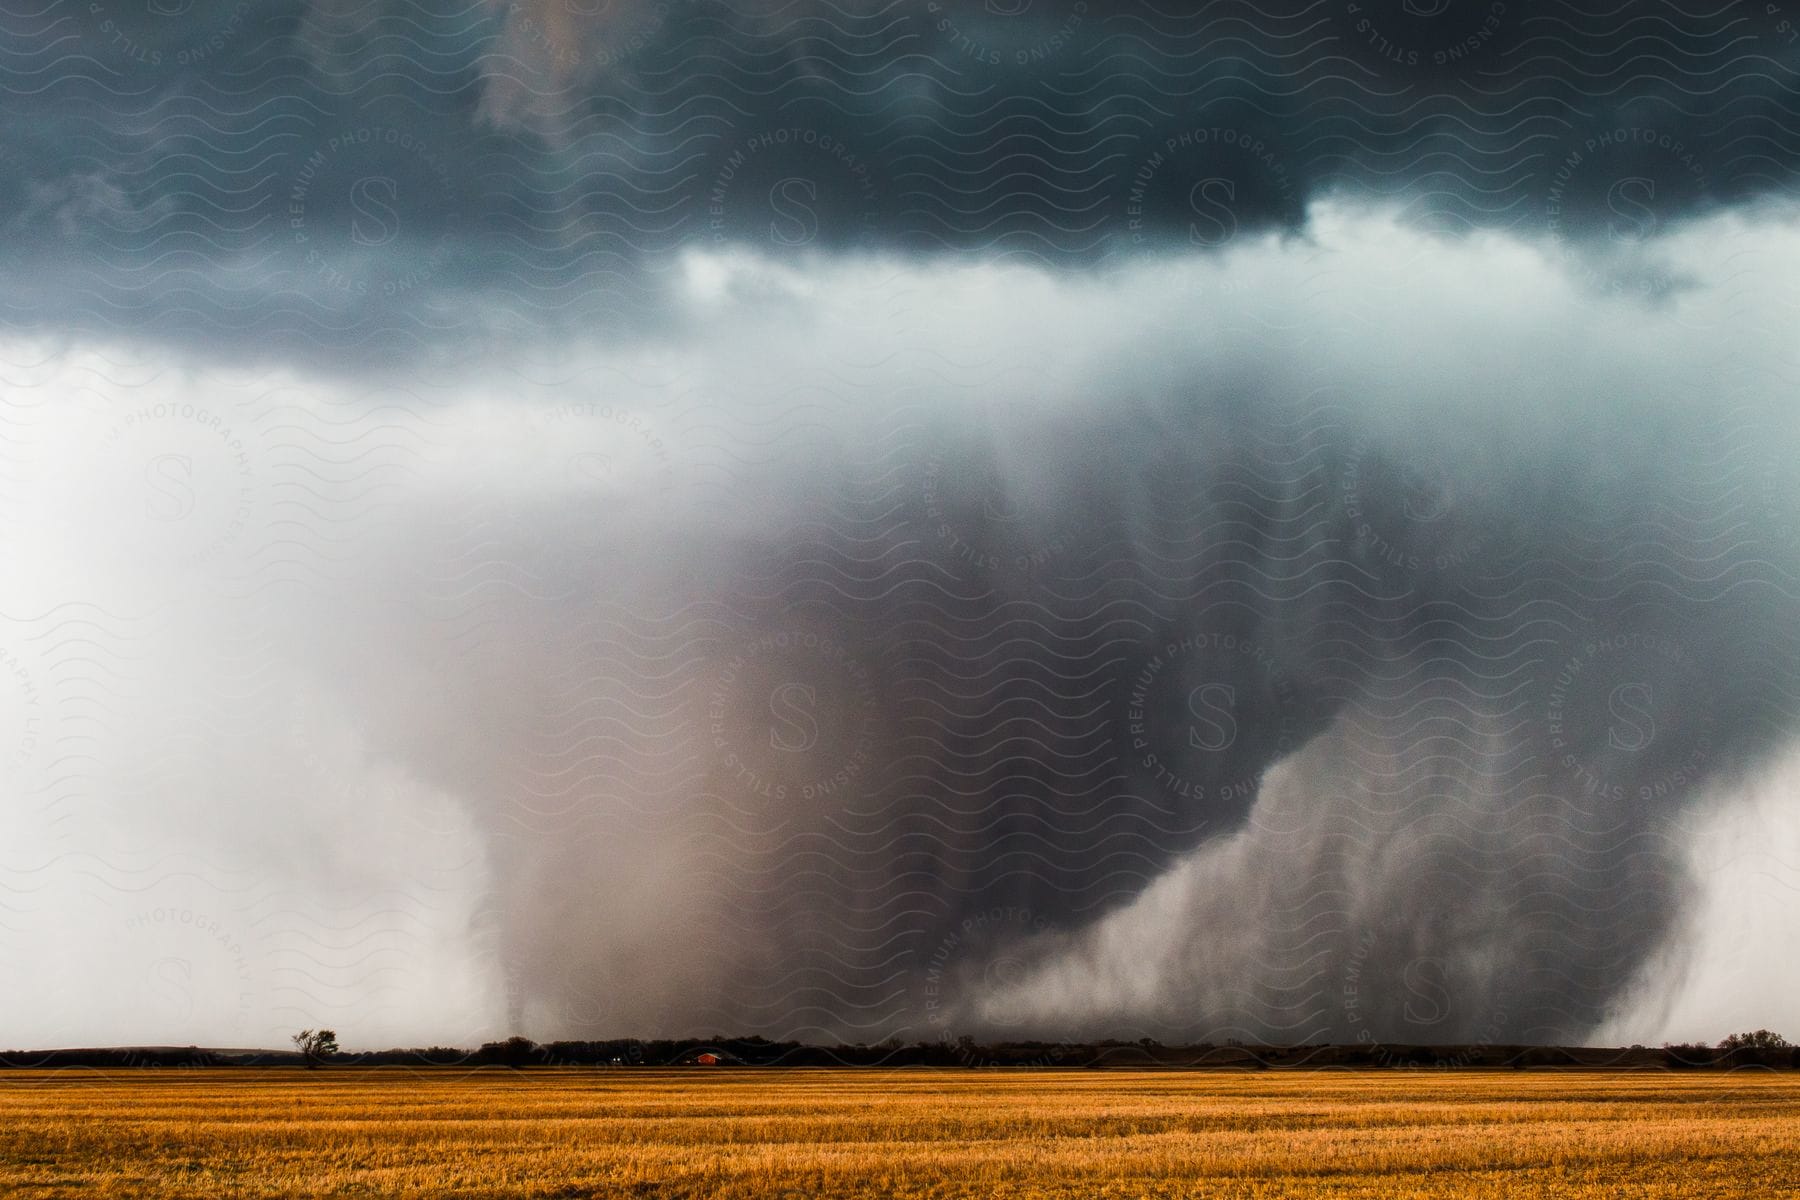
(864, 519)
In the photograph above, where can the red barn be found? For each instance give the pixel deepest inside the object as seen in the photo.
(706, 1060)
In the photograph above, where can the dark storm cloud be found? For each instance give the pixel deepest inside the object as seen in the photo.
(353, 174)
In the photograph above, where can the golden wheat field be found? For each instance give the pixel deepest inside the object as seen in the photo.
(913, 1134)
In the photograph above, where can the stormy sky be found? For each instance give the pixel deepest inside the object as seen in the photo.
(843, 520)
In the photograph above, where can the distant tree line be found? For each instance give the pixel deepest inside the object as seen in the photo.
(1760, 1048)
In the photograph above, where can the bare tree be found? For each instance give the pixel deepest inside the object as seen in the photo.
(315, 1045)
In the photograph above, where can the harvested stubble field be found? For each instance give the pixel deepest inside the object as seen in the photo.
(914, 1134)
